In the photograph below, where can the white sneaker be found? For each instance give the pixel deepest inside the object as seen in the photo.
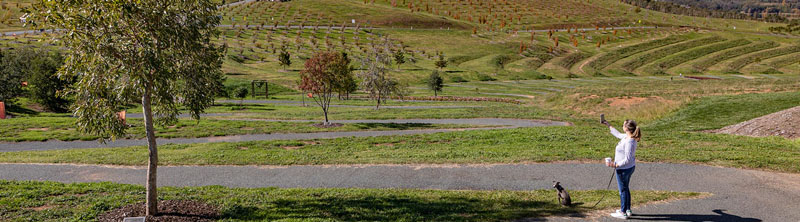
(628, 213)
(619, 214)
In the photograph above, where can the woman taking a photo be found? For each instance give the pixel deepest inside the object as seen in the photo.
(624, 163)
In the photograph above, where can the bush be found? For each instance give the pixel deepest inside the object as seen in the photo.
(38, 68)
(236, 58)
(484, 77)
(11, 77)
(45, 86)
(500, 61)
(458, 79)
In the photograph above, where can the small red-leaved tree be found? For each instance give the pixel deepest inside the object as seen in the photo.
(325, 74)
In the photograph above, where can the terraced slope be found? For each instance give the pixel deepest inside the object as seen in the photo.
(662, 52)
(613, 56)
(660, 66)
(704, 64)
(762, 55)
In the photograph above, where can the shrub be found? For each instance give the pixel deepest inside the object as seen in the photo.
(458, 79)
(500, 61)
(484, 77)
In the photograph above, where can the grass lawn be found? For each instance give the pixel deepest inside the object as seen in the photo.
(52, 201)
(671, 139)
(63, 128)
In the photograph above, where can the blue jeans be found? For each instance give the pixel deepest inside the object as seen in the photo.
(623, 180)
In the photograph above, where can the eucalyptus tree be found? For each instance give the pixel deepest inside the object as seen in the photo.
(159, 53)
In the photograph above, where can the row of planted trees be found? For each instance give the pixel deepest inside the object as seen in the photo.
(329, 73)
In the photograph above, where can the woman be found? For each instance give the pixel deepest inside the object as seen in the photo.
(624, 163)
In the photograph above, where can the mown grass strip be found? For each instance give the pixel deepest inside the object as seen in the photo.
(613, 56)
(693, 54)
(666, 140)
(786, 61)
(657, 54)
(64, 128)
(760, 56)
(712, 60)
(53, 201)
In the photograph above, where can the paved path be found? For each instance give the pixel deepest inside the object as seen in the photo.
(738, 195)
(506, 123)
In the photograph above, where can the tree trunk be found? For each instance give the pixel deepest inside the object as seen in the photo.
(435, 94)
(326, 117)
(152, 195)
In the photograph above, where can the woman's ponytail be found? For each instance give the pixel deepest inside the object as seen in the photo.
(631, 126)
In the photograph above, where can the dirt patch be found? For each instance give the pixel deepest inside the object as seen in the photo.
(310, 142)
(322, 125)
(291, 147)
(243, 148)
(41, 208)
(170, 210)
(38, 129)
(785, 123)
(247, 128)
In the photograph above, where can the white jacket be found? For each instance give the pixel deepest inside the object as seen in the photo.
(625, 153)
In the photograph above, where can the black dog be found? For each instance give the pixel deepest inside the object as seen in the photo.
(563, 196)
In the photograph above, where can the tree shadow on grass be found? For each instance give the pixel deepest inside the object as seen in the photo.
(247, 106)
(398, 207)
(720, 216)
(397, 126)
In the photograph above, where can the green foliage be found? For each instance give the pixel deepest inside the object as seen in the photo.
(792, 28)
(12, 73)
(441, 63)
(484, 77)
(241, 93)
(501, 61)
(285, 58)
(399, 57)
(157, 55)
(435, 82)
(458, 79)
(45, 86)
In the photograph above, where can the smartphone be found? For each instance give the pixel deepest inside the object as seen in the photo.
(602, 118)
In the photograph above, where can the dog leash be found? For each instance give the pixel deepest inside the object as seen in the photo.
(607, 187)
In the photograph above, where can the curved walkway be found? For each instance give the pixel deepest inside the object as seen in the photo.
(505, 123)
(738, 195)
